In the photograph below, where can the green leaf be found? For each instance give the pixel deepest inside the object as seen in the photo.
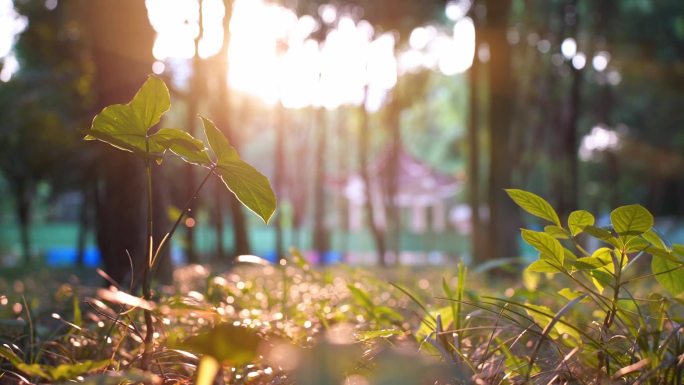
(534, 204)
(556, 232)
(125, 126)
(543, 266)
(548, 246)
(218, 142)
(249, 186)
(604, 235)
(631, 220)
(578, 220)
(71, 371)
(181, 143)
(151, 102)
(653, 238)
(225, 342)
(669, 274)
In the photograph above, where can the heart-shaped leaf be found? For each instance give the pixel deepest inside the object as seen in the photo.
(125, 125)
(249, 186)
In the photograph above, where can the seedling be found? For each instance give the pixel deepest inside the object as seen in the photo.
(129, 127)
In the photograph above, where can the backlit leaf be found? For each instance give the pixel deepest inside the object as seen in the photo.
(249, 186)
(578, 220)
(534, 204)
(556, 232)
(631, 220)
(669, 274)
(181, 143)
(125, 126)
(548, 246)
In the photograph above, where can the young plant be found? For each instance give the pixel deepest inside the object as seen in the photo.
(602, 278)
(129, 127)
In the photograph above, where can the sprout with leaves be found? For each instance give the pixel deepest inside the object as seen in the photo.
(129, 127)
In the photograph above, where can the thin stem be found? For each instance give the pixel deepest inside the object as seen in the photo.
(147, 293)
(186, 207)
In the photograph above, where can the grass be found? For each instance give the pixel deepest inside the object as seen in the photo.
(296, 324)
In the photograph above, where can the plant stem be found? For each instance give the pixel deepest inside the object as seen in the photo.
(147, 293)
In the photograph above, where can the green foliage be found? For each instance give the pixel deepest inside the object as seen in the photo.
(249, 185)
(534, 205)
(128, 127)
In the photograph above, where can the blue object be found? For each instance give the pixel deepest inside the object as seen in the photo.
(332, 257)
(66, 256)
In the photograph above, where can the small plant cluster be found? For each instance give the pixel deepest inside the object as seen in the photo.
(599, 320)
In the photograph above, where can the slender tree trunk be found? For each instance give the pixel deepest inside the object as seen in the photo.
(378, 234)
(503, 221)
(194, 96)
(343, 169)
(279, 175)
(23, 197)
(474, 160)
(569, 145)
(321, 240)
(84, 222)
(391, 176)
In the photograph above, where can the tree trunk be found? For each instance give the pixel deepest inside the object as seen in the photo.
(195, 94)
(23, 197)
(503, 220)
(321, 241)
(279, 175)
(474, 160)
(378, 234)
(122, 40)
(391, 175)
(221, 113)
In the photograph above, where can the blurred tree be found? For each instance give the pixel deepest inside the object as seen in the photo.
(41, 108)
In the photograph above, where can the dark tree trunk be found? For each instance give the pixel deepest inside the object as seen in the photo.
(503, 222)
(321, 241)
(84, 221)
(23, 196)
(376, 231)
(474, 160)
(568, 144)
(122, 40)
